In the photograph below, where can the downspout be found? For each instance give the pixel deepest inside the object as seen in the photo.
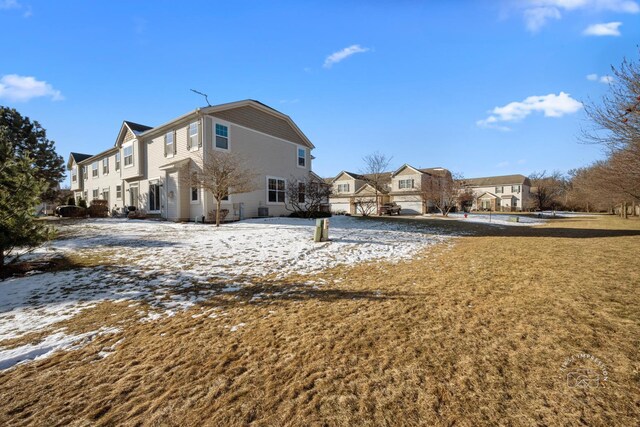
(204, 153)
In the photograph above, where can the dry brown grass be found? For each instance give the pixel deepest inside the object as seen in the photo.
(469, 335)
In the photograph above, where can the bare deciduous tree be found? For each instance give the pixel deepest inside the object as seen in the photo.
(305, 197)
(366, 205)
(376, 174)
(616, 127)
(222, 174)
(549, 189)
(445, 192)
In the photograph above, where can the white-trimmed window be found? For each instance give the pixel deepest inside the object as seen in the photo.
(84, 194)
(117, 161)
(74, 174)
(105, 195)
(105, 166)
(128, 155)
(154, 196)
(84, 172)
(515, 188)
(222, 136)
(405, 183)
(95, 193)
(193, 139)
(343, 188)
(119, 192)
(302, 157)
(195, 193)
(94, 169)
(169, 144)
(275, 190)
(499, 190)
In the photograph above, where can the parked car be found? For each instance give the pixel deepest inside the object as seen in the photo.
(71, 211)
(390, 209)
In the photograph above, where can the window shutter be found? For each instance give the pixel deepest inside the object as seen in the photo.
(175, 143)
(200, 135)
(164, 144)
(189, 137)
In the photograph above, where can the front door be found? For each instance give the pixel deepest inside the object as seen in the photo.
(134, 199)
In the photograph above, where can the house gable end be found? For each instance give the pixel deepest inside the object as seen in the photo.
(261, 120)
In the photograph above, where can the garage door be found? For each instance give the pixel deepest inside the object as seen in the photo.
(340, 207)
(411, 205)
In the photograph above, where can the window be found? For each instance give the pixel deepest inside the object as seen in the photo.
(222, 137)
(119, 192)
(276, 190)
(94, 195)
(94, 169)
(169, 144)
(84, 194)
(515, 188)
(105, 166)
(84, 172)
(302, 157)
(74, 174)
(499, 190)
(194, 194)
(343, 188)
(405, 183)
(128, 155)
(154, 196)
(117, 161)
(301, 192)
(193, 136)
(105, 195)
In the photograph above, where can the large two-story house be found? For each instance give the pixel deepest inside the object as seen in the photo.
(352, 193)
(500, 193)
(408, 187)
(146, 166)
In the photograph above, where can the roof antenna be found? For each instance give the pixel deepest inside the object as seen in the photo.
(206, 98)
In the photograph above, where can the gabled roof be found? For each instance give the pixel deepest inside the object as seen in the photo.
(486, 193)
(77, 157)
(437, 171)
(137, 128)
(263, 107)
(351, 174)
(371, 188)
(497, 180)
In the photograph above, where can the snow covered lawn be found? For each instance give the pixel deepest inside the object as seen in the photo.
(169, 266)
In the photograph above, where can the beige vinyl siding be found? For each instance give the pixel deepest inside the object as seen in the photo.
(137, 169)
(267, 156)
(104, 181)
(261, 121)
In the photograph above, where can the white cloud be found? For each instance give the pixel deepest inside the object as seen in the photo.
(537, 13)
(601, 79)
(535, 18)
(340, 55)
(23, 88)
(503, 164)
(551, 105)
(9, 4)
(608, 29)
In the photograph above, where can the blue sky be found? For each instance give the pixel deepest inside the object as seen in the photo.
(479, 87)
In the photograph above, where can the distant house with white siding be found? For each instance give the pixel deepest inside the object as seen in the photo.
(144, 168)
(504, 193)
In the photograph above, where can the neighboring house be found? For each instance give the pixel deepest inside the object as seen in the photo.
(146, 167)
(351, 189)
(408, 183)
(505, 193)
